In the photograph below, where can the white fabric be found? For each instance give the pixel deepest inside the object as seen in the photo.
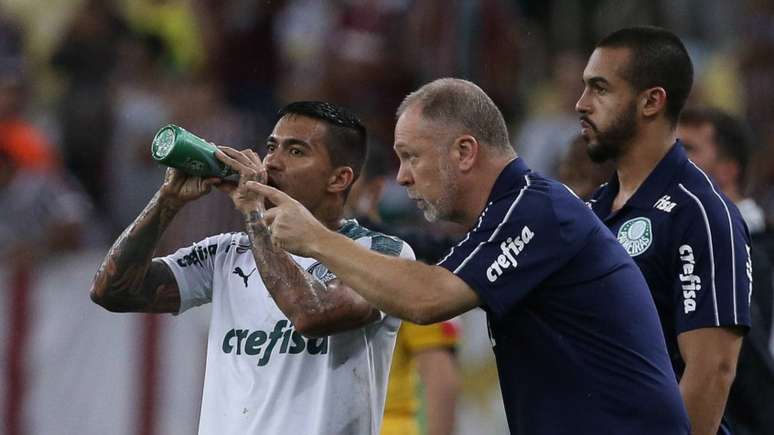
(753, 215)
(263, 377)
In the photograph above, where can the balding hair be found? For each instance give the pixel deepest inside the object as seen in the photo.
(461, 103)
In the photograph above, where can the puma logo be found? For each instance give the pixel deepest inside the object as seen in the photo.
(238, 271)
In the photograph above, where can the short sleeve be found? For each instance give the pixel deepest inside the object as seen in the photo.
(712, 281)
(193, 270)
(517, 245)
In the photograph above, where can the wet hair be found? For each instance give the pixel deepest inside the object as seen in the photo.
(733, 138)
(460, 102)
(658, 58)
(346, 135)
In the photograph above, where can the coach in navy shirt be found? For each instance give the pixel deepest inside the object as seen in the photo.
(688, 239)
(575, 331)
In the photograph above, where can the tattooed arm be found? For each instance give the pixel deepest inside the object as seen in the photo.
(316, 309)
(129, 280)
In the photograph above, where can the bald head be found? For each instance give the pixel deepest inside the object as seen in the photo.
(463, 107)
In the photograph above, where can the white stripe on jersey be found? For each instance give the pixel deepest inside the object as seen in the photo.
(731, 232)
(711, 250)
(497, 230)
(467, 236)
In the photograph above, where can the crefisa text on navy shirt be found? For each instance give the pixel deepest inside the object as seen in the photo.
(691, 244)
(576, 335)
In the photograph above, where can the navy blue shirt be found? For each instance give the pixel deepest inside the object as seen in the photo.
(575, 333)
(691, 244)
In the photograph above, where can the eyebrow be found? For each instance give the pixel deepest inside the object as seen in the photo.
(289, 141)
(596, 81)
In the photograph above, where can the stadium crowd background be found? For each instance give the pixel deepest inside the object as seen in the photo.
(85, 84)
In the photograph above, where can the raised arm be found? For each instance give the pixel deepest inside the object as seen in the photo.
(315, 308)
(129, 280)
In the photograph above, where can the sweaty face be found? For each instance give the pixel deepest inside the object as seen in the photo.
(297, 160)
(426, 169)
(607, 107)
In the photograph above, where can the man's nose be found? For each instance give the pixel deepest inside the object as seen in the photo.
(404, 176)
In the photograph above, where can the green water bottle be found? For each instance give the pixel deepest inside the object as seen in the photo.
(179, 148)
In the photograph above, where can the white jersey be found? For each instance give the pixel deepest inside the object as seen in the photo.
(264, 377)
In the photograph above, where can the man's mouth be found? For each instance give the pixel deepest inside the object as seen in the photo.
(586, 126)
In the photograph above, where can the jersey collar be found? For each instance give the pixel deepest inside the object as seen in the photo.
(511, 177)
(654, 186)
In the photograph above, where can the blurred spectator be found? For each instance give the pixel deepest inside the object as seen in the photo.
(201, 108)
(300, 33)
(176, 24)
(757, 69)
(39, 211)
(86, 57)
(477, 40)
(365, 65)
(721, 146)
(546, 135)
(244, 54)
(579, 173)
(141, 108)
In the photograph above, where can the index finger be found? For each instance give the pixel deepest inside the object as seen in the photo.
(276, 196)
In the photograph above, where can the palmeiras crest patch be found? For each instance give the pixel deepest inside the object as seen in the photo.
(636, 235)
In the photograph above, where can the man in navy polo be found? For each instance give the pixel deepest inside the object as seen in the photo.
(688, 239)
(575, 332)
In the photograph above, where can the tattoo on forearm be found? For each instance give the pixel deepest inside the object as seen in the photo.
(127, 280)
(293, 289)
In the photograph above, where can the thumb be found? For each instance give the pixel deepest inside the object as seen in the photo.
(276, 196)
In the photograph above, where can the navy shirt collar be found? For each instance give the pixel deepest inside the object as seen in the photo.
(510, 178)
(655, 184)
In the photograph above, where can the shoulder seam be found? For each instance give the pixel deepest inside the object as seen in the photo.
(499, 226)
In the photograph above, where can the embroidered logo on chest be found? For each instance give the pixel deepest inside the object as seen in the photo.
(636, 235)
(665, 204)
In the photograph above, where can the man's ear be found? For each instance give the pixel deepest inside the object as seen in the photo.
(340, 179)
(653, 101)
(465, 151)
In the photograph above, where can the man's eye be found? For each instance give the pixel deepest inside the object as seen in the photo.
(270, 147)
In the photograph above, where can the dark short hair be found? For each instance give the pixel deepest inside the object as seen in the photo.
(347, 136)
(733, 138)
(658, 58)
(461, 102)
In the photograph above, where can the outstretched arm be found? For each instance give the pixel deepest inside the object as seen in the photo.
(129, 280)
(407, 289)
(315, 308)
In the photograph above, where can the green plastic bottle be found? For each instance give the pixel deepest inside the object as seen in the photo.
(179, 148)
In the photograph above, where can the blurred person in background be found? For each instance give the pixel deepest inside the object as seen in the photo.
(426, 352)
(86, 57)
(291, 349)
(688, 239)
(40, 209)
(721, 146)
(547, 133)
(536, 259)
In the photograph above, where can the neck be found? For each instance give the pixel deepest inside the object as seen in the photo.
(475, 192)
(641, 158)
(330, 215)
